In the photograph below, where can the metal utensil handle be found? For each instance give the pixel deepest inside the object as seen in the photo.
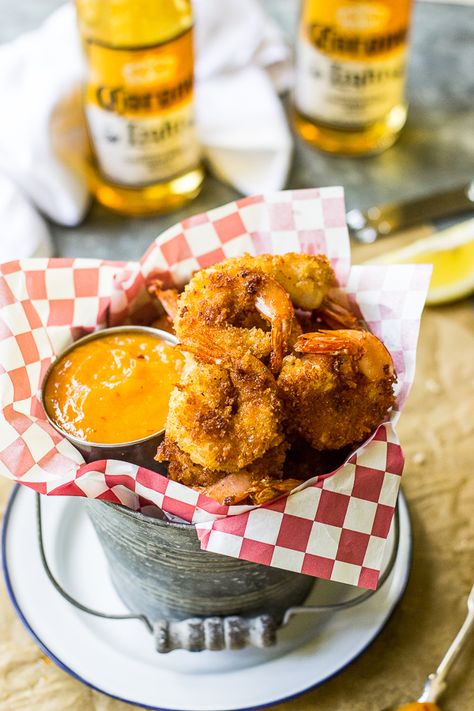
(382, 220)
(435, 683)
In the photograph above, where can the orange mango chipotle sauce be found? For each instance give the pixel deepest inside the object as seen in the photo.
(114, 389)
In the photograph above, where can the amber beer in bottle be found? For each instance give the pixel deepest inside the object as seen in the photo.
(350, 74)
(138, 102)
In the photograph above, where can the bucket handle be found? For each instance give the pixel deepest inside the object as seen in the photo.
(196, 634)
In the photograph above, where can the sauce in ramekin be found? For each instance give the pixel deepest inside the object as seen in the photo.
(114, 388)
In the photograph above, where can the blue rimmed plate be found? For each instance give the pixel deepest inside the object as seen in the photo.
(118, 658)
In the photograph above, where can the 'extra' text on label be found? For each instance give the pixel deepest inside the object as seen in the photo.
(143, 150)
(347, 92)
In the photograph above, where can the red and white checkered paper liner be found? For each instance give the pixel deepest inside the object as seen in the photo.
(333, 526)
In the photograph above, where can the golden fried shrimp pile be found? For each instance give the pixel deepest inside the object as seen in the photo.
(254, 385)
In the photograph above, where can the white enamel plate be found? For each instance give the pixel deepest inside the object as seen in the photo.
(118, 657)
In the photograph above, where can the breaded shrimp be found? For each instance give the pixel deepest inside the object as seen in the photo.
(249, 483)
(337, 387)
(233, 305)
(225, 413)
(241, 487)
(307, 278)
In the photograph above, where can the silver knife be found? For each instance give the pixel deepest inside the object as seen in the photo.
(381, 220)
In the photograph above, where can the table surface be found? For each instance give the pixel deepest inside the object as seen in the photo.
(436, 150)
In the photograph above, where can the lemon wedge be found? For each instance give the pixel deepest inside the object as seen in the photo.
(451, 252)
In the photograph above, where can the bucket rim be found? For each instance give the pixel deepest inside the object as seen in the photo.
(139, 516)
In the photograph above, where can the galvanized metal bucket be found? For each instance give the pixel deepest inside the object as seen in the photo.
(159, 570)
(198, 633)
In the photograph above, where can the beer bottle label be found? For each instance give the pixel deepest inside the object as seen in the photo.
(139, 111)
(351, 60)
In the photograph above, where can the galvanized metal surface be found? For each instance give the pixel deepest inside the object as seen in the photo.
(159, 569)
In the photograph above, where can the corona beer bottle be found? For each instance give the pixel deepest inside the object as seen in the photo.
(138, 102)
(350, 74)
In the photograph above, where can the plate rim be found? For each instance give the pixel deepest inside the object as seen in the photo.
(90, 685)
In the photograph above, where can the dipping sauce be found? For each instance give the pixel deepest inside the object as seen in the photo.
(114, 389)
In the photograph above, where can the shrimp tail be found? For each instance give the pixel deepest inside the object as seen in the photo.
(327, 342)
(335, 315)
(168, 298)
(205, 350)
(231, 490)
(274, 304)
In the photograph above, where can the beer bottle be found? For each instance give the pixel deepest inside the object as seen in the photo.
(350, 74)
(138, 102)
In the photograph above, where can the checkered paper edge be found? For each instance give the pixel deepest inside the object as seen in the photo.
(334, 528)
(48, 303)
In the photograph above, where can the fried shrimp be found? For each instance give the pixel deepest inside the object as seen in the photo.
(225, 413)
(234, 305)
(337, 387)
(254, 382)
(307, 278)
(254, 482)
(237, 488)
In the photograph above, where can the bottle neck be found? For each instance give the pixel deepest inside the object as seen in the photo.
(133, 23)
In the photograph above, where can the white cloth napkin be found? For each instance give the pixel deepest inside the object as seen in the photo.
(241, 63)
(23, 231)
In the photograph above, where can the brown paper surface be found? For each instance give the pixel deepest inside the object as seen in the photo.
(437, 432)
